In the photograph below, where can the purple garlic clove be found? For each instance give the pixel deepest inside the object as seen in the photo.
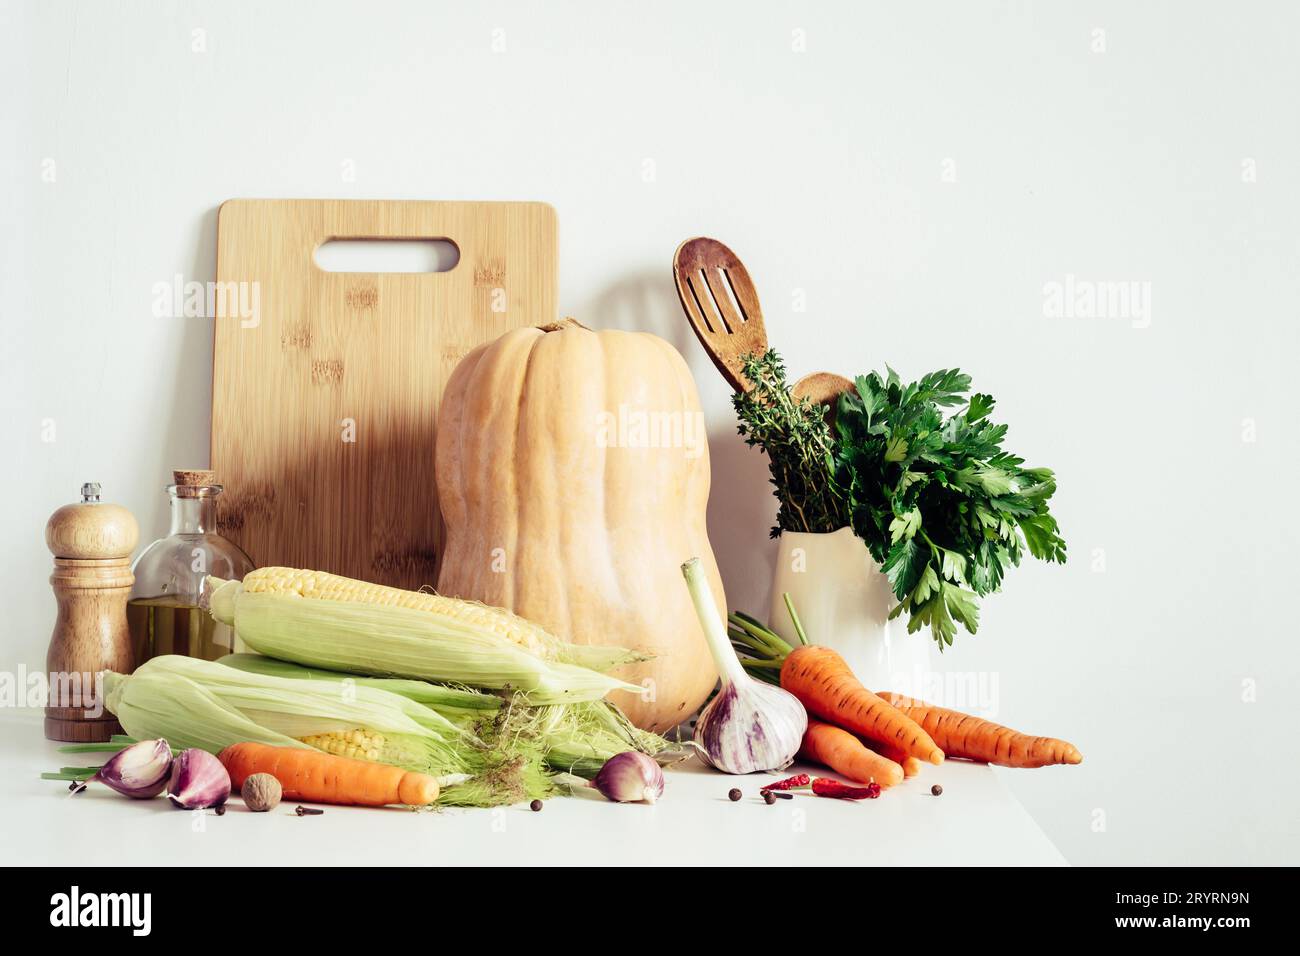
(140, 770)
(630, 777)
(198, 781)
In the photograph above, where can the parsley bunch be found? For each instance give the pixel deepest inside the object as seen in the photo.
(940, 505)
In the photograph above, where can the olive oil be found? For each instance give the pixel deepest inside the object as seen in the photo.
(167, 625)
(165, 611)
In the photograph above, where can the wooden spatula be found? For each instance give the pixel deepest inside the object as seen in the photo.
(721, 304)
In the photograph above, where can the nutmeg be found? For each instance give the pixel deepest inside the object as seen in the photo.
(261, 792)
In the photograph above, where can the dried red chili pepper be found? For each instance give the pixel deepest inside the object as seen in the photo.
(789, 783)
(825, 787)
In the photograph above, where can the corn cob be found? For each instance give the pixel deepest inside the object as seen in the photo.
(358, 743)
(322, 620)
(324, 586)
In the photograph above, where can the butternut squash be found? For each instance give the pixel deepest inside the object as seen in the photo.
(573, 474)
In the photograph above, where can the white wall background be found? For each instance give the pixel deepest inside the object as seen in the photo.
(1175, 444)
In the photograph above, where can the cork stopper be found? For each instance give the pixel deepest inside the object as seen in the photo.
(189, 480)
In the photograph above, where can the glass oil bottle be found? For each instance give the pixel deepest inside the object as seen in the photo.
(165, 614)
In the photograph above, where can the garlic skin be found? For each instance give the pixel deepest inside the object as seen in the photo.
(199, 780)
(140, 770)
(751, 725)
(630, 777)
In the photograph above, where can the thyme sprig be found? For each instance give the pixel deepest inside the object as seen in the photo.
(800, 450)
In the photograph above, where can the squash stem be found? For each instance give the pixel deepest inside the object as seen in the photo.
(715, 634)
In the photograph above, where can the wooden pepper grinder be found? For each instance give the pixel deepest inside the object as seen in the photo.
(92, 543)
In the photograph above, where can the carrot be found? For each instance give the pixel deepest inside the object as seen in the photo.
(324, 778)
(827, 688)
(838, 749)
(911, 766)
(974, 738)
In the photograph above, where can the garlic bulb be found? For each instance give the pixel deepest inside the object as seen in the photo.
(750, 726)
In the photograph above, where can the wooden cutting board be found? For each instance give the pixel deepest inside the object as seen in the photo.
(323, 412)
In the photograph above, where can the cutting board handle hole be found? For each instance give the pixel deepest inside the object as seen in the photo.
(387, 255)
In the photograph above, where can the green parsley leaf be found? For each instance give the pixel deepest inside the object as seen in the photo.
(979, 408)
(904, 525)
(963, 606)
(903, 567)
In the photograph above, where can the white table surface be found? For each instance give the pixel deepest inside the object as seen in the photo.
(975, 821)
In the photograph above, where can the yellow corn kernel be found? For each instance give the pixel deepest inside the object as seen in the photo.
(357, 744)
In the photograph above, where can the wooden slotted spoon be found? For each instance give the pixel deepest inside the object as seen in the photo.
(720, 302)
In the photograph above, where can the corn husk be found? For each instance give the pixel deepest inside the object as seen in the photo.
(576, 738)
(202, 704)
(324, 586)
(446, 700)
(384, 641)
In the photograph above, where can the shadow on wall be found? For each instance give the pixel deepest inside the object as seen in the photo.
(185, 423)
(741, 506)
(646, 302)
(742, 511)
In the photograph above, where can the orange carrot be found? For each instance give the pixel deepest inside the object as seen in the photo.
(911, 766)
(324, 778)
(827, 688)
(838, 749)
(974, 738)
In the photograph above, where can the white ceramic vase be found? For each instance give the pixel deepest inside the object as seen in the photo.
(843, 601)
